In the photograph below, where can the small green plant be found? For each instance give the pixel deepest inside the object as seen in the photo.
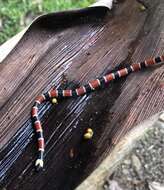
(17, 14)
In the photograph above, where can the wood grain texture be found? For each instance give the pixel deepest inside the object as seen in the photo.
(81, 45)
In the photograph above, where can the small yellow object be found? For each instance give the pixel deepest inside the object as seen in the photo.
(54, 101)
(142, 8)
(89, 134)
(89, 130)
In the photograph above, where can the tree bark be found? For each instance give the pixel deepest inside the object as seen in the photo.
(78, 45)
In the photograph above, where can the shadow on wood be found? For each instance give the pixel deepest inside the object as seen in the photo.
(78, 45)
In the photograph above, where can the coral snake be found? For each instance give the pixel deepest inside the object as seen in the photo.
(52, 94)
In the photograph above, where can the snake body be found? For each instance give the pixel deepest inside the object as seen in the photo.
(89, 87)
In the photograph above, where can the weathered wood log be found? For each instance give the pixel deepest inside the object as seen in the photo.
(79, 45)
